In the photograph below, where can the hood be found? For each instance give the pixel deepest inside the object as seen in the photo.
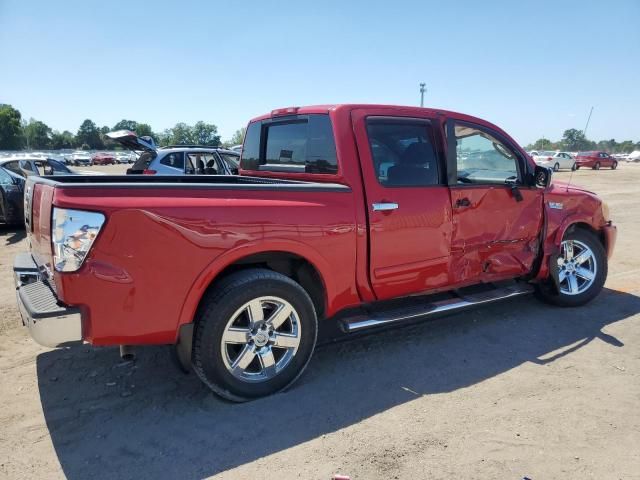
(131, 141)
(558, 186)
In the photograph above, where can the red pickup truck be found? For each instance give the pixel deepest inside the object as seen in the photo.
(357, 215)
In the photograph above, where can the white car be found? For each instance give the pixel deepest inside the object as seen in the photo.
(555, 160)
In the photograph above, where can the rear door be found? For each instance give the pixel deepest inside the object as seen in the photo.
(409, 211)
(497, 217)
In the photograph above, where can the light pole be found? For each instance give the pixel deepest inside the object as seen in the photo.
(422, 90)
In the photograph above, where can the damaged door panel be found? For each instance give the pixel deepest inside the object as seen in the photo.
(496, 217)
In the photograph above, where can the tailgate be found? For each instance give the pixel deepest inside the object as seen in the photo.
(38, 199)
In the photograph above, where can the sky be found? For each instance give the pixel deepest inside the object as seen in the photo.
(533, 68)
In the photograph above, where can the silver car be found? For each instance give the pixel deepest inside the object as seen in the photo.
(176, 159)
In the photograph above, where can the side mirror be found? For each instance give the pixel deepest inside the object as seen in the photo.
(542, 176)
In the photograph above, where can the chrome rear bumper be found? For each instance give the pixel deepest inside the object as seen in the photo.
(50, 323)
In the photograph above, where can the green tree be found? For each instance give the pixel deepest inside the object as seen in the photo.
(126, 125)
(574, 140)
(89, 134)
(237, 138)
(205, 134)
(10, 128)
(37, 134)
(144, 130)
(62, 140)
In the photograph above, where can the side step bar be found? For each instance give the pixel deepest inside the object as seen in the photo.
(457, 302)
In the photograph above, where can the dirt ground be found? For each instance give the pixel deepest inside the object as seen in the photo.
(513, 390)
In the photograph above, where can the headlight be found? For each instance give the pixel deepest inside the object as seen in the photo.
(72, 234)
(605, 211)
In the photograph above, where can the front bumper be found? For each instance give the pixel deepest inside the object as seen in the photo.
(50, 323)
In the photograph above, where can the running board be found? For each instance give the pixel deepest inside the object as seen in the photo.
(457, 302)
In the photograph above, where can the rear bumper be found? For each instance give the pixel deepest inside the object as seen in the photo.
(50, 323)
(610, 235)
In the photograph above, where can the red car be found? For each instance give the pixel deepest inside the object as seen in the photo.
(103, 158)
(361, 216)
(595, 160)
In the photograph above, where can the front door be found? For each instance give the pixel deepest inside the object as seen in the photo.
(408, 206)
(497, 218)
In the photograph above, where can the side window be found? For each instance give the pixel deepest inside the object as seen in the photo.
(232, 161)
(197, 162)
(403, 152)
(27, 167)
(5, 178)
(14, 167)
(210, 164)
(174, 160)
(481, 158)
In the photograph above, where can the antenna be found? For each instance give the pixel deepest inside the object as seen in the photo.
(584, 133)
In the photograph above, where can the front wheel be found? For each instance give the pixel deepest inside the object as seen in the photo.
(574, 167)
(556, 167)
(578, 271)
(254, 335)
(614, 165)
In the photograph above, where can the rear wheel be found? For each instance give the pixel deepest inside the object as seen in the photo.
(255, 334)
(574, 167)
(614, 165)
(579, 270)
(596, 166)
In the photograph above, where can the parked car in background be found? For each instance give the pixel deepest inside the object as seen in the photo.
(238, 272)
(555, 160)
(11, 197)
(177, 159)
(596, 160)
(81, 158)
(236, 148)
(125, 157)
(634, 156)
(103, 158)
(27, 166)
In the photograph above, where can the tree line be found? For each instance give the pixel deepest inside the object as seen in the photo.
(575, 141)
(17, 133)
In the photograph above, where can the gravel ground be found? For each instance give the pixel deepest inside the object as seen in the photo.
(513, 390)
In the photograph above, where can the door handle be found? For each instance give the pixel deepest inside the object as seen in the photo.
(383, 207)
(462, 202)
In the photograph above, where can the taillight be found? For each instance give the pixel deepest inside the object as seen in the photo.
(72, 235)
(149, 172)
(549, 158)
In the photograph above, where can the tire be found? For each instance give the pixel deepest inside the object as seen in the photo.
(556, 167)
(596, 166)
(224, 337)
(614, 165)
(574, 167)
(557, 292)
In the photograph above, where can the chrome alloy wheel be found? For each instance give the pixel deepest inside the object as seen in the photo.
(261, 339)
(577, 267)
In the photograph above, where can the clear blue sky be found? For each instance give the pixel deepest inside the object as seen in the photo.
(534, 68)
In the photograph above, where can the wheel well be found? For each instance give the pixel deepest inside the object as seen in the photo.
(293, 266)
(588, 228)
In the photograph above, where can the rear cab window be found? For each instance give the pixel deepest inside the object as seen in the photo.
(295, 144)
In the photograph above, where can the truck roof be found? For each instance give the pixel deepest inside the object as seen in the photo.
(323, 109)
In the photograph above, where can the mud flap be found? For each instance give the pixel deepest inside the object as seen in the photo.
(182, 349)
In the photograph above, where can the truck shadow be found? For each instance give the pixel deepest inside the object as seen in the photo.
(146, 420)
(14, 234)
